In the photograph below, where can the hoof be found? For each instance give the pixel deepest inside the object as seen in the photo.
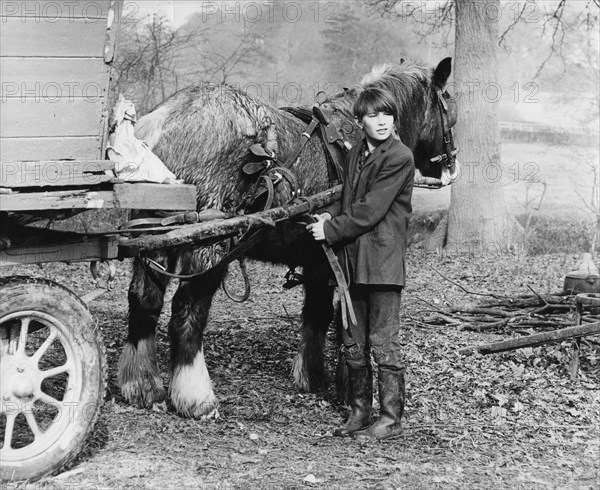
(191, 390)
(306, 379)
(139, 377)
(299, 374)
(204, 411)
(144, 394)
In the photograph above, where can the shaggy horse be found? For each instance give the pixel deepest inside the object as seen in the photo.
(204, 135)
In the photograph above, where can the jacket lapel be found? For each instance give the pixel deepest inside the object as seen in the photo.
(378, 151)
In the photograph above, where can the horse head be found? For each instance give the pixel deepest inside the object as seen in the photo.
(427, 113)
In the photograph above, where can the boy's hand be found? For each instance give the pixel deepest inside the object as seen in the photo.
(317, 228)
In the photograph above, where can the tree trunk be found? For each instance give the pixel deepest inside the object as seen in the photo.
(477, 219)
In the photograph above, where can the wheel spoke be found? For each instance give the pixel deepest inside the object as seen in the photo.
(32, 424)
(45, 346)
(12, 339)
(49, 400)
(55, 371)
(10, 425)
(23, 335)
(5, 334)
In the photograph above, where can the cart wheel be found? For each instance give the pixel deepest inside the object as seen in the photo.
(53, 375)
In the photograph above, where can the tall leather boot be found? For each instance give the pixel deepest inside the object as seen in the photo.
(360, 391)
(392, 393)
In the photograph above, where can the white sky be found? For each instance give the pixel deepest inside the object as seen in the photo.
(178, 11)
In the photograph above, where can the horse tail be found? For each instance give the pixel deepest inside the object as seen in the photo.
(149, 127)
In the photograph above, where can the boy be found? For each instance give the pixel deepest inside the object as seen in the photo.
(371, 233)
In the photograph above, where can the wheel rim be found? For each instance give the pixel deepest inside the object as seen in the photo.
(41, 383)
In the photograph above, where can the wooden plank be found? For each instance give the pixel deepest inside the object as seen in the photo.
(54, 200)
(50, 148)
(92, 248)
(50, 11)
(537, 339)
(127, 196)
(52, 78)
(179, 197)
(65, 37)
(55, 173)
(78, 117)
(211, 230)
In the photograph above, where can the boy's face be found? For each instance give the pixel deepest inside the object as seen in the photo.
(378, 126)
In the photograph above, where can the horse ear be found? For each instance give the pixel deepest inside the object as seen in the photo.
(442, 72)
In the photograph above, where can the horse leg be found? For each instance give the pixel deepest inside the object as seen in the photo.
(191, 388)
(139, 376)
(317, 312)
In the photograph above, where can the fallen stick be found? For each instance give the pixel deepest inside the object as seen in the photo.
(535, 340)
(487, 326)
(527, 302)
(483, 311)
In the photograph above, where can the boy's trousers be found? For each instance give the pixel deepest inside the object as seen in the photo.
(377, 309)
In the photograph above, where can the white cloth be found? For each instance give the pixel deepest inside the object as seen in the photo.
(134, 161)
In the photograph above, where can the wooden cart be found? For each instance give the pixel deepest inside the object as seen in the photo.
(55, 64)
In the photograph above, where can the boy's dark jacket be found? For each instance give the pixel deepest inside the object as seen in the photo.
(374, 213)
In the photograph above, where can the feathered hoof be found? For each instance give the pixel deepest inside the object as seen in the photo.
(191, 390)
(305, 381)
(145, 393)
(205, 411)
(139, 377)
(301, 381)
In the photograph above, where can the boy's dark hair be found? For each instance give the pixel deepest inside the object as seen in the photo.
(375, 100)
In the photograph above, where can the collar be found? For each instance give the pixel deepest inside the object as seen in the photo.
(380, 148)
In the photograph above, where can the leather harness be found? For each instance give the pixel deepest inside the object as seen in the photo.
(448, 158)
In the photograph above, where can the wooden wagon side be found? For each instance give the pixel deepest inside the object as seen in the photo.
(55, 65)
(55, 69)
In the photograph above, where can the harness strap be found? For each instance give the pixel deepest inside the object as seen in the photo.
(450, 149)
(177, 219)
(340, 279)
(246, 294)
(305, 137)
(245, 243)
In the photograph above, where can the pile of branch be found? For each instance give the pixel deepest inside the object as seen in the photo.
(495, 312)
(548, 311)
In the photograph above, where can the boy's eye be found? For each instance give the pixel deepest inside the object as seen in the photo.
(371, 114)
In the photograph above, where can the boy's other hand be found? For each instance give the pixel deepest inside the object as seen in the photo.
(316, 229)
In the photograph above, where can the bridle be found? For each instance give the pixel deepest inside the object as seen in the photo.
(448, 158)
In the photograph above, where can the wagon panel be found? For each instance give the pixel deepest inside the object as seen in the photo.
(55, 69)
(28, 37)
(49, 148)
(76, 117)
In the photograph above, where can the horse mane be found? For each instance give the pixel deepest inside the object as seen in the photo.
(402, 80)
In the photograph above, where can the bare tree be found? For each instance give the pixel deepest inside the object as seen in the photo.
(356, 37)
(478, 216)
(224, 51)
(145, 64)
